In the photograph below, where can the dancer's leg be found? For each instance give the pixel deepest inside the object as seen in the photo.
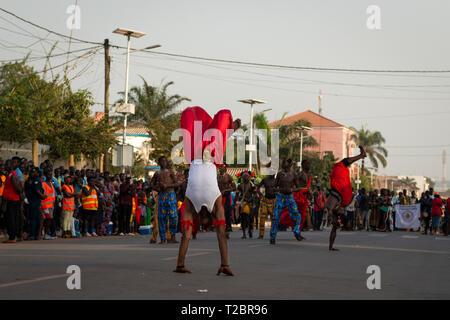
(219, 224)
(296, 217)
(186, 229)
(276, 218)
(173, 218)
(162, 218)
(331, 206)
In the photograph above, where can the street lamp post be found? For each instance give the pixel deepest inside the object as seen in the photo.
(251, 147)
(302, 129)
(126, 108)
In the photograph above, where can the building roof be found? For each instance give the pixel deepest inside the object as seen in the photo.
(315, 119)
(133, 129)
(99, 116)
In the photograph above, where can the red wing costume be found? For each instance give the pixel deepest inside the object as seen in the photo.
(202, 189)
(340, 181)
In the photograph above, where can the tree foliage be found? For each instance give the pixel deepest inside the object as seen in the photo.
(156, 109)
(373, 142)
(32, 108)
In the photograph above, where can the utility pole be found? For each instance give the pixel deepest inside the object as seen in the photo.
(319, 98)
(107, 83)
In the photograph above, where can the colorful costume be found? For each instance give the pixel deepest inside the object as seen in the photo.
(202, 188)
(341, 184)
(282, 201)
(265, 211)
(301, 197)
(167, 210)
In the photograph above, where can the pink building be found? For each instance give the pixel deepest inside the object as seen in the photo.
(330, 135)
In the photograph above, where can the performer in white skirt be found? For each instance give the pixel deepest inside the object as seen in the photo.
(203, 196)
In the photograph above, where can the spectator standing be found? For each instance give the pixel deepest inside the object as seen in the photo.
(13, 195)
(350, 210)
(48, 205)
(318, 206)
(436, 212)
(89, 200)
(68, 206)
(34, 193)
(364, 208)
(126, 206)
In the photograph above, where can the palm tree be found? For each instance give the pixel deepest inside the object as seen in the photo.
(373, 142)
(290, 139)
(409, 183)
(157, 111)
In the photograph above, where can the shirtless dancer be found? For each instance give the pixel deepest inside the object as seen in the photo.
(267, 203)
(226, 186)
(167, 203)
(284, 183)
(341, 193)
(203, 196)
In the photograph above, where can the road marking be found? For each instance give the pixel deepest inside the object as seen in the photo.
(258, 245)
(445, 239)
(410, 237)
(11, 284)
(368, 247)
(42, 255)
(189, 255)
(378, 235)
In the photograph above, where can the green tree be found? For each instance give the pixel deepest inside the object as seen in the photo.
(27, 104)
(290, 139)
(321, 168)
(156, 109)
(409, 183)
(75, 131)
(373, 142)
(35, 110)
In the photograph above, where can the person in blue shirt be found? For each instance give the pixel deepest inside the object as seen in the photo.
(34, 193)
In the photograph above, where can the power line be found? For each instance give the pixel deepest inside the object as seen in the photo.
(311, 81)
(297, 67)
(285, 89)
(32, 59)
(306, 68)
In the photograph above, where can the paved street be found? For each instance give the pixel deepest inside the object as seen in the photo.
(413, 266)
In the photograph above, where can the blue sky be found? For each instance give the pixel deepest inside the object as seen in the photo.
(411, 111)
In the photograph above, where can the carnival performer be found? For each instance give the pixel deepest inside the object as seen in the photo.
(203, 196)
(341, 193)
(284, 183)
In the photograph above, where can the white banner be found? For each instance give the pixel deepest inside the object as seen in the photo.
(407, 217)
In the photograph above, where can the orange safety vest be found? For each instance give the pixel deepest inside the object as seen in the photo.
(133, 209)
(50, 196)
(90, 202)
(68, 203)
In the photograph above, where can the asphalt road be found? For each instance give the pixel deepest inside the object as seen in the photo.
(413, 266)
